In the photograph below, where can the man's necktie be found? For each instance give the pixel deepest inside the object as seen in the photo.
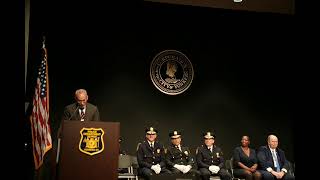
(151, 145)
(178, 148)
(82, 115)
(275, 160)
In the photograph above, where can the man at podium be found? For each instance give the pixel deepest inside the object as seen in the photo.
(81, 110)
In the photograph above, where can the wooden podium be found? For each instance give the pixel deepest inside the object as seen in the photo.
(89, 150)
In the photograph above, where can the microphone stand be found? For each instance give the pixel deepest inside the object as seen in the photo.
(74, 112)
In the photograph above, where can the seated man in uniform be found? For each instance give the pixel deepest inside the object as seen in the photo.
(150, 156)
(179, 158)
(210, 159)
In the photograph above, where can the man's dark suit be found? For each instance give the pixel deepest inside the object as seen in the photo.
(265, 161)
(148, 156)
(71, 112)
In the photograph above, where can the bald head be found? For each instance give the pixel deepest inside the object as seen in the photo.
(272, 141)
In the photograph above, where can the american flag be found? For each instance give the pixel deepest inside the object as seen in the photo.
(40, 127)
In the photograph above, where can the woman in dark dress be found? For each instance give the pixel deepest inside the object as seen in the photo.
(245, 161)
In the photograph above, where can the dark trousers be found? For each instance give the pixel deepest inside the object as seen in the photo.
(268, 176)
(223, 174)
(147, 173)
(191, 173)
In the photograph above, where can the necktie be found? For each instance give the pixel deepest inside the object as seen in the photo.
(275, 159)
(178, 147)
(82, 115)
(151, 145)
(210, 149)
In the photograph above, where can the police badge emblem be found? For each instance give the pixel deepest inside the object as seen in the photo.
(171, 72)
(158, 151)
(91, 141)
(186, 153)
(217, 155)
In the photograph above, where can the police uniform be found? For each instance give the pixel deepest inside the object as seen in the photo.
(181, 157)
(148, 156)
(206, 158)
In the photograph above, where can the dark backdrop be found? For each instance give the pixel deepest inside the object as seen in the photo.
(243, 79)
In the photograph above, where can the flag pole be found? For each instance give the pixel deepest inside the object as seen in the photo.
(43, 41)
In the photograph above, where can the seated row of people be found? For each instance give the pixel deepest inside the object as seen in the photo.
(268, 163)
(153, 159)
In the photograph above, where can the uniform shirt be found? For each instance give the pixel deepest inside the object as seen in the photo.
(148, 156)
(175, 156)
(206, 158)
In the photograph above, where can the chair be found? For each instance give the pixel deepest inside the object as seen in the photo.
(125, 162)
(291, 169)
(215, 177)
(134, 161)
(229, 167)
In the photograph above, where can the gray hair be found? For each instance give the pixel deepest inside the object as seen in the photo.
(80, 91)
(271, 136)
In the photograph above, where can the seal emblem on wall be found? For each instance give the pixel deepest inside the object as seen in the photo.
(171, 72)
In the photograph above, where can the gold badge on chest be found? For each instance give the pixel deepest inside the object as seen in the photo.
(186, 153)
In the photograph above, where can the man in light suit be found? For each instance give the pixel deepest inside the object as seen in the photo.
(81, 110)
(272, 161)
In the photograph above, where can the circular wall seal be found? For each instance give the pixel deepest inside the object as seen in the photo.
(171, 72)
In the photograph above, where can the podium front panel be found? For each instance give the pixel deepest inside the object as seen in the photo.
(77, 164)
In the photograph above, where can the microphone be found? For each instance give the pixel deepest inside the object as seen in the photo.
(78, 106)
